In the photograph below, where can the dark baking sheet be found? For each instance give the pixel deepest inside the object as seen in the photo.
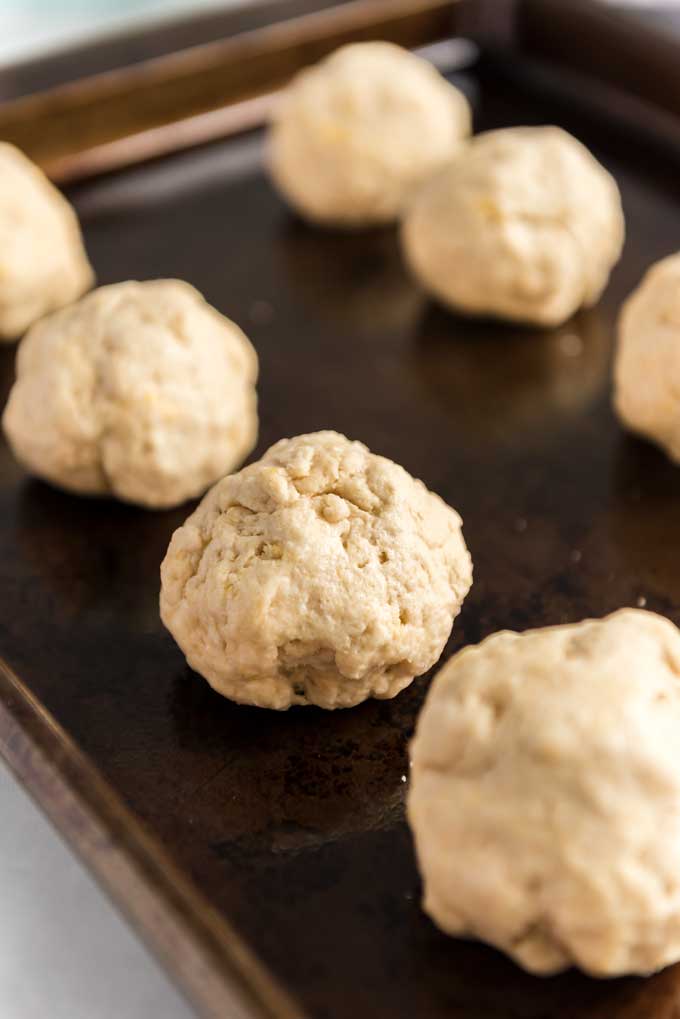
(291, 825)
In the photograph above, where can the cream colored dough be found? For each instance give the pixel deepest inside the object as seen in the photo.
(322, 574)
(524, 224)
(43, 264)
(356, 134)
(647, 362)
(140, 390)
(545, 795)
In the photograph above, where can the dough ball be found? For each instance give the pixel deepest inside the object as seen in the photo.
(545, 796)
(43, 264)
(524, 224)
(647, 362)
(322, 574)
(140, 390)
(356, 134)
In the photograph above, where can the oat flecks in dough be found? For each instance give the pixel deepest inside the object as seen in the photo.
(43, 264)
(545, 796)
(321, 574)
(647, 362)
(140, 390)
(524, 225)
(356, 134)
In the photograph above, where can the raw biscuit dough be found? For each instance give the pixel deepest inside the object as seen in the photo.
(356, 134)
(139, 390)
(524, 224)
(545, 795)
(322, 574)
(43, 264)
(647, 362)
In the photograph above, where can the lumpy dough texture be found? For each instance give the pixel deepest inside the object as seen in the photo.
(545, 795)
(356, 134)
(43, 264)
(322, 574)
(647, 362)
(140, 390)
(524, 224)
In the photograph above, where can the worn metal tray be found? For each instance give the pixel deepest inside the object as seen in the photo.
(266, 856)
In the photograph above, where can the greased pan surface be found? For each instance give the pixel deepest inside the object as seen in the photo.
(292, 825)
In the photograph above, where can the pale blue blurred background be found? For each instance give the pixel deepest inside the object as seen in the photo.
(31, 27)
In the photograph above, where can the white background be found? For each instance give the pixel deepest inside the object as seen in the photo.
(65, 953)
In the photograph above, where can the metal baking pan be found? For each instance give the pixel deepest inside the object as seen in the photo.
(265, 856)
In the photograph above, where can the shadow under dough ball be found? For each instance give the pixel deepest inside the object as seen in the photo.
(511, 383)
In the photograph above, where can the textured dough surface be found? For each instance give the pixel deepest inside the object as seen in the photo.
(356, 134)
(524, 224)
(140, 390)
(647, 362)
(43, 264)
(322, 574)
(545, 796)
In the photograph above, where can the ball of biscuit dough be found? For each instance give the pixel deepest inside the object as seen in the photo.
(355, 135)
(647, 360)
(322, 574)
(43, 264)
(524, 225)
(545, 795)
(139, 390)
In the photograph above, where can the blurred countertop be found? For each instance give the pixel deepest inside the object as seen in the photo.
(65, 953)
(31, 27)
